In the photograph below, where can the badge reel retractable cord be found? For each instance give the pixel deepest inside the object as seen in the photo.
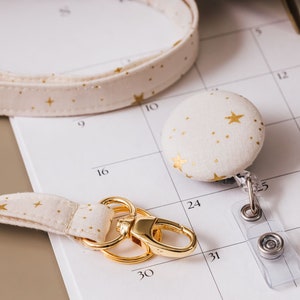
(216, 135)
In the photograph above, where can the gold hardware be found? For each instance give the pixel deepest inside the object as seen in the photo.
(124, 226)
(144, 230)
(132, 212)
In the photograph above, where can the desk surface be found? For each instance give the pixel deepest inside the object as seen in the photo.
(28, 266)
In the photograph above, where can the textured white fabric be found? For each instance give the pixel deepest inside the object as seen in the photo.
(213, 135)
(56, 214)
(53, 95)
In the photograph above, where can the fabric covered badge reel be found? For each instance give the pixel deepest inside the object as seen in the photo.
(216, 135)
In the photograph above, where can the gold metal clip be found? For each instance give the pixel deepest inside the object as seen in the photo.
(144, 230)
(144, 227)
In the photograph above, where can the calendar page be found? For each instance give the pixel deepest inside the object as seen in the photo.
(247, 47)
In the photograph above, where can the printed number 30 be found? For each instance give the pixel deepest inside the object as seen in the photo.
(147, 273)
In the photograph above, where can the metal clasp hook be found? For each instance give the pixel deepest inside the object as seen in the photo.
(144, 230)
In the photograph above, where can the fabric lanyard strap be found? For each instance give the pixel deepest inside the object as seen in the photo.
(90, 223)
(61, 95)
(56, 214)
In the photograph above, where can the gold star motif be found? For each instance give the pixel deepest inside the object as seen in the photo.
(3, 207)
(217, 178)
(49, 101)
(138, 98)
(118, 70)
(176, 43)
(234, 118)
(178, 162)
(36, 204)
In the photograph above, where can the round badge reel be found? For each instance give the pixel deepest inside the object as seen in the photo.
(215, 135)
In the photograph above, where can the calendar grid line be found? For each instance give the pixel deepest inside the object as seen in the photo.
(166, 262)
(243, 29)
(280, 121)
(207, 87)
(159, 152)
(275, 81)
(180, 200)
(249, 54)
(282, 175)
(203, 253)
(125, 160)
(285, 261)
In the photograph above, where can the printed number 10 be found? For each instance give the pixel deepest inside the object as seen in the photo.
(151, 106)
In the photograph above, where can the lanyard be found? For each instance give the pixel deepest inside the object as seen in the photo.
(64, 95)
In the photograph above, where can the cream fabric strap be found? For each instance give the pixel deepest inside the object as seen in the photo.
(59, 95)
(56, 215)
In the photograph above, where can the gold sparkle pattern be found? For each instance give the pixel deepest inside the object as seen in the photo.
(178, 162)
(37, 204)
(118, 70)
(176, 43)
(218, 133)
(3, 206)
(234, 118)
(217, 177)
(50, 101)
(138, 99)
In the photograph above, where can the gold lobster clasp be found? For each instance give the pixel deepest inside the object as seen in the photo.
(144, 230)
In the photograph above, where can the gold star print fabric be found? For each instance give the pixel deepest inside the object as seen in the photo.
(213, 135)
(128, 84)
(56, 215)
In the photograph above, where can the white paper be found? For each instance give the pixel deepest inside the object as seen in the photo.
(248, 47)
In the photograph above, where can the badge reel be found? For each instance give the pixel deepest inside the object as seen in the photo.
(216, 135)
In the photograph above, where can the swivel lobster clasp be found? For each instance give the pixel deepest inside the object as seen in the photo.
(144, 230)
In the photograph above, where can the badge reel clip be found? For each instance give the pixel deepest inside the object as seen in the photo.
(216, 135)
(277, 260)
